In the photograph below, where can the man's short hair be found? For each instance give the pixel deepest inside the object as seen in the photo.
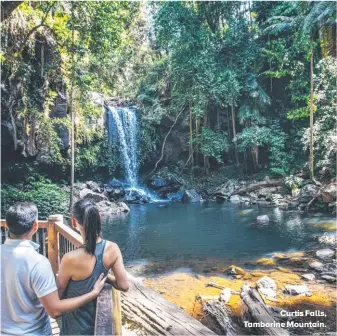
(20, 217)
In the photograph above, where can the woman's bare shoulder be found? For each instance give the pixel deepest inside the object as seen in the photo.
(111, 247)
(73, 256)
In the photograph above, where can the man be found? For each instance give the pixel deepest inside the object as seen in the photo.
(28, 288)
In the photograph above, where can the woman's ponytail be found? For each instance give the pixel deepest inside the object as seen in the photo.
(88, 216)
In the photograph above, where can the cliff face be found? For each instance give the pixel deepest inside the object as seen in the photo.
(33, 91)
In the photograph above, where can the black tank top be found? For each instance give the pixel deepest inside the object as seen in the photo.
(82, 320)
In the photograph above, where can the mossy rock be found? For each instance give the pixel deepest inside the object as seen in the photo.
(266, 262)
(235, 270)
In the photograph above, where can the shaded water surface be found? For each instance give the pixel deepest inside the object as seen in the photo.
(209, 231)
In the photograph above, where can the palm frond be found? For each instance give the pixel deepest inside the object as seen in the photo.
(311, 19)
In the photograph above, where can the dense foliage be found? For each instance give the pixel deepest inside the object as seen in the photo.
(235, 76)
(49, 198)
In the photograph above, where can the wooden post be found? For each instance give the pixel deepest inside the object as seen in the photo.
(53, 241)
(116, 312)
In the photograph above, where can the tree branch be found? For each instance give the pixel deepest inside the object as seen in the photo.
(164, 142)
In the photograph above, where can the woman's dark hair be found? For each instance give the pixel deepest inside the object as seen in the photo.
(88, 216)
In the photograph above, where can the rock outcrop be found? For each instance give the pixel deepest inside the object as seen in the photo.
(104, 205)
(191, 196)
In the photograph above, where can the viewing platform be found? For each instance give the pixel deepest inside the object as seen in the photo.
(144, 308)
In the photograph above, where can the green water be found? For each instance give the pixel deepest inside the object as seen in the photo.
(209, 231)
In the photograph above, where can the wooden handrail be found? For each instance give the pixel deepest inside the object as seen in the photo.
(108, 318)
(69, 234)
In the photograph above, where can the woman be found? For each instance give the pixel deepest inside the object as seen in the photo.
(80, 268)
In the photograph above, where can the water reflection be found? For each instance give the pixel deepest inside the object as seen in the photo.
(207, 230)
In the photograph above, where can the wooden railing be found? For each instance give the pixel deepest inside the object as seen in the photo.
(56, 239)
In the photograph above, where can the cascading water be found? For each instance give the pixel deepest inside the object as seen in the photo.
(123, 127)
(122, 124)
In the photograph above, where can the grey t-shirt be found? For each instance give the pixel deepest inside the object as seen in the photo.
(26, 276)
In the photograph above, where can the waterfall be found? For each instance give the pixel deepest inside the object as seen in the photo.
(122, 125)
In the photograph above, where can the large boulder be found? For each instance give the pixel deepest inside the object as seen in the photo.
(114, 194)
(175, 197)
(317, 266)
(267, 192)
(92, 196)
(158, 182)
(235, 198)
(264, 219)
(114, 183)
(80, 186)
(307, 193)
(325, 254)
(107, 208)
(226, 190)
(94, 186)
(191, 196)
(164, 186)
(329, 193)
(136, 197)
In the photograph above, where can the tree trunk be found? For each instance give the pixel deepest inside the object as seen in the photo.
(234, 134)
(311, 116)
(258, 312)
(196, 150)
(206, 159)
(150, 312)
(72, 110)
(191, 136)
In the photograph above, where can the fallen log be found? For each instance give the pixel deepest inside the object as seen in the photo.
(258, 312)
(220, 313)
(258, 185)
(151, 313)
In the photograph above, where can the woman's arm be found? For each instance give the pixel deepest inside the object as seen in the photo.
(64, 275)
(56, 307)
(119, 280)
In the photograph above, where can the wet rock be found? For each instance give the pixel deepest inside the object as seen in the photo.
(317, 266)
(114, 183)
(93, 186)
(307, 193)
(328, 278)
(267, 192)
(262, 219)
(162, 206)
(226, 190)
(92, 196)
(158, 182)
(164, 186)
(235, 270)
(80, 186)
(329, 193)
(235, 198)
(267, 287)
(191, 196)
(114, 193)
(297, 289)
(123, 207)
(308, 276)
(136, 197)
(107, 208)
(325, 254)
(175, 197)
